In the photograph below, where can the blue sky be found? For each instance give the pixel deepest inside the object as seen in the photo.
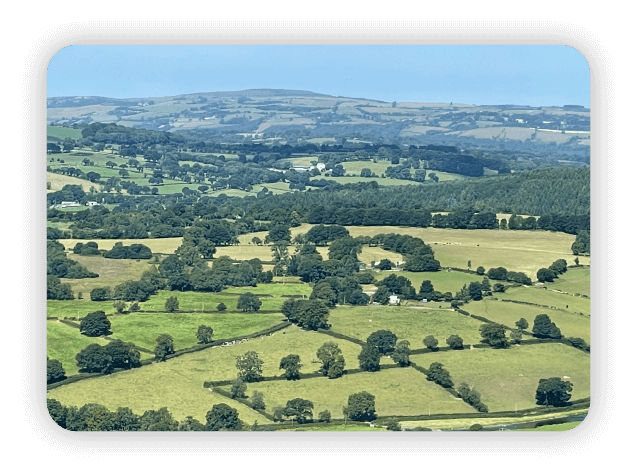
(528, 75)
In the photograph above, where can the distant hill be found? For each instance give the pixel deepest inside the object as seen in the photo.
(271, 115)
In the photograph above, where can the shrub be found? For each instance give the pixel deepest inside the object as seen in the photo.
(119, 306)
(325, 416)
(257, 401)
(55, 371)
(455, 342)
(238, 389)
(248, 302)
(172, 304)
(221, 307)
(431, 343)
(476, 427)
(393, 425)
(100, 294)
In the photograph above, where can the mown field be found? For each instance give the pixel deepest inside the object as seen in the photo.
(142, 329)
(540, 296)
(412, 324)
(508, 313)
(400, 391)
(507, 379)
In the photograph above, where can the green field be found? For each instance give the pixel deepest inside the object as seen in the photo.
(274, 289)
(64, 132)
(207, 301)
(64, 342)
(401, 391)
(507, 379)
(76, 308)
(509, 313)
(574, 281)
(142, 329)
(554, 427)
(407, 323)
(547, 297)
(340, 427)
(443, 281)
(152, 387)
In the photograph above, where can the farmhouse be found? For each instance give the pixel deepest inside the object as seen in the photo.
(395, 300)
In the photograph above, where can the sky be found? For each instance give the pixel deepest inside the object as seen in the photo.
(524, 75)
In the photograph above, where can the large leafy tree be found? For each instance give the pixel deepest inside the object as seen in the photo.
(401, 354)
(204, 334)
(369, 358)
(553, 392)
(164, 347)
(439, 375)
(223, 418)
(361, 407)
(544, 327)
(249, 367)
(55, 371)
(332, 360)
(291, 364)
(95, 324)
(248, 302)
(299, 409)
(494, 335)
(383, 341)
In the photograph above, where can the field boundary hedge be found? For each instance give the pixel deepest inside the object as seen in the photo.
(341, 336)
(538, 305)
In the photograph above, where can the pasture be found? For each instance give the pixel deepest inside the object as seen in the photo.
(507, 379)
(400, 391)
(64, 342)
(443, 281)
(152, 387)
(207, 301)
(574, 281)
(409, 323)
(554, 427)
(59, 181)
(62, 133)
(508, 314)
(142, 329)
(547, 297)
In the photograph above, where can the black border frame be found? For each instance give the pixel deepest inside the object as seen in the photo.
(53, 439)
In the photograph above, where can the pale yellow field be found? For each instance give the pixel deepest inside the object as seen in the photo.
(58, 181)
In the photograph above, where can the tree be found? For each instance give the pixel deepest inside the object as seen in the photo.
(324, 416)
(522, 324)
(248, 302)
(238, 389)
(191, 424)
(331, 357)
(299, 409)
(221, 307)
(545, 275)
(455, 342)
(116, 354)
(223, 418)
(204, 334)
(95, 324)
(134, 307)
(257, 401)
(313, 314)
(171, 304)
(125, 420)
(553, 392)
(401, 354)
(256, 241)
(361, 407)
(55, 371)
(385, 265)
(119, 306)
(516, 336)
(249, 367)
(421, 263)
(369, 358)
(494, 335)
(475, 291)
(544, 327)
(431, 343)
(497, 274)
(164, 347)
(383, 340)
(439, 375)
(393, 425)
(477, 426)
(291, 365)
(480, 270)
(498, 287)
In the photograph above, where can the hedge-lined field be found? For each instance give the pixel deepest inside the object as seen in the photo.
(64, 342)
(208, 301)
(550, 298)
(507, 379)
(412, 324)
(443, 281)
(403, 391)
(509, 313)
(574, 281)
(142, 329)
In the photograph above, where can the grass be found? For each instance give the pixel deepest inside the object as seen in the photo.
(515, 250)
(574, 281)
(397, 392)
(507, 379)
(407, 323)
(194, 301)
(75, 308)
(275, 289)
(554, 427)
(355, 167)
(59, 181)
(547, 297)
(157, 245)
(142, 329)
(64, 342)
(64, 132)
(443, 281)
(339, 427)
(152, 387)
(508, 314)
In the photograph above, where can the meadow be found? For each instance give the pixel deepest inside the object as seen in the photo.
(206, 301)
(142, 329)
(547, 297)
(507, 378)
(508, 314)
(443, 281)
(59, 181)
(574, 281)
(64, 342)
(412, 324)
(399, 391)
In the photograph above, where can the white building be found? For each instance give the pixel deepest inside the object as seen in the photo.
(395, 300)
(321, 167)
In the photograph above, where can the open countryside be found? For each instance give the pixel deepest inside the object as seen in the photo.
(275, 260)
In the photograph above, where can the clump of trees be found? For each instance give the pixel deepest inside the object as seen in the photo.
(581, 245)
(309, 314)
(544, 327)
(553, 392)
(401, 354)
(114, 355)
(55, 371)
(86, 249)
(439, 375)
(95, 324)
(58, 291)
(494, 335)
(360, 407)
(59, 265)
(248, 302)
(557, 268)
(472, 397)
(291, 365)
